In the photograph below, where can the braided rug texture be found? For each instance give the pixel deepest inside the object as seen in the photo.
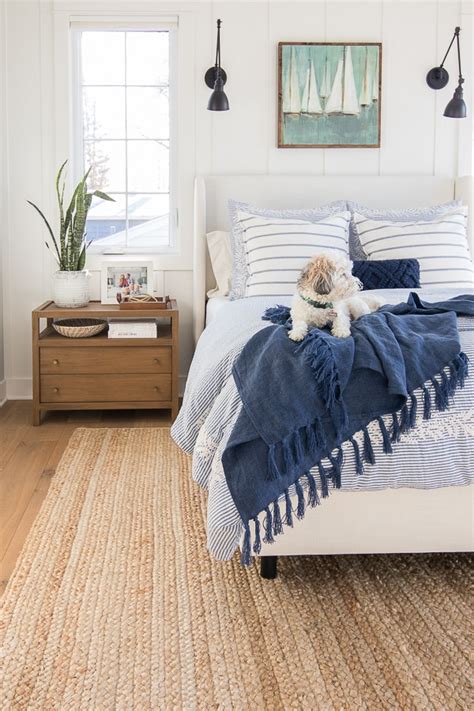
(115, 604)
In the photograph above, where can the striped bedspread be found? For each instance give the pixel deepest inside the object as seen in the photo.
(438, 453)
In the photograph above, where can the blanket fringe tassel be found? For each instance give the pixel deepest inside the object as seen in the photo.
(325, 373)
(358, 459)
(324, 480)
(293, 448)
(310, 436)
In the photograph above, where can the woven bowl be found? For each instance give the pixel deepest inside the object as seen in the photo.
(79, 327)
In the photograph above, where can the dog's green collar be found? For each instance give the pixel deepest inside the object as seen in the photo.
(317, 304)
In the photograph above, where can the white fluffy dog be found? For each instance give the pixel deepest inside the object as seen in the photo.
(325, 294)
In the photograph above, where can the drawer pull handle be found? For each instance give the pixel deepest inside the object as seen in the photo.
(55, 361)
(157, 388)
(157, 360)
(56, 390)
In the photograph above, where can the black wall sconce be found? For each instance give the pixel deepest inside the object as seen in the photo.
(215, 79)
(438, 77)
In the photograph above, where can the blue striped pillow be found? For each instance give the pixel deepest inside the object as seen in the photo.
(276, 250)
(240, 261)
(388, 214)
(439, 245)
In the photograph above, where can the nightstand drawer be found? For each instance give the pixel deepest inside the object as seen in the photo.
(105, 388)
(110, 360)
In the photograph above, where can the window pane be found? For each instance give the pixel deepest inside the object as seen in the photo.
(103, 57)
(147, 58)
(148, 217)
(104, 112)
(124, 90)
(148, 112)
(107, 162)
(107, 221)
(148, 166)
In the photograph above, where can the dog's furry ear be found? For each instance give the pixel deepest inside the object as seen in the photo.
(303, 278)
(318, 275)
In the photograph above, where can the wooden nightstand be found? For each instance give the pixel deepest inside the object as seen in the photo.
(104, 373)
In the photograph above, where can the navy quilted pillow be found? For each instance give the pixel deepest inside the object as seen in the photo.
(388, 273)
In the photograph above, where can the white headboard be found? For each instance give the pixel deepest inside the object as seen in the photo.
(298, 191)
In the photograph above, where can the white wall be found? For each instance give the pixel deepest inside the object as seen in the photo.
(416, 138)
(3, 195)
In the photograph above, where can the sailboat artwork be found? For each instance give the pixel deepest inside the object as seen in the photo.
(343, 98)
(311, 103)
(329, 95)
(367, 85)
(292, 96)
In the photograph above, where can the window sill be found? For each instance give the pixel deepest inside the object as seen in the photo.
(162, 261)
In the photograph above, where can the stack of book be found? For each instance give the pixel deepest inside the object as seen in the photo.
(127, 328)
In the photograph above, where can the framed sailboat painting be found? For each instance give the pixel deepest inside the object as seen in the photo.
(329, 94)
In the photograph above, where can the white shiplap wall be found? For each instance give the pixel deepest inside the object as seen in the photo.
(416, 138)
(3, 197)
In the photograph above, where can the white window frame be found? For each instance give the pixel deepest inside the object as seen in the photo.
(76, 29)
(179, 257)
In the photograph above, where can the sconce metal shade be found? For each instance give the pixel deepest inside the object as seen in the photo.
(215, 79)
(457, 106)
(218, 100)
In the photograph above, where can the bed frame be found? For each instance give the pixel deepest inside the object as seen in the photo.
(389, 521)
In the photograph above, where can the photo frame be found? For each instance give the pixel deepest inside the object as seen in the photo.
(329, 94)
(126, 278)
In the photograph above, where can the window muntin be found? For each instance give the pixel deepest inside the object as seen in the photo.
(123, 132)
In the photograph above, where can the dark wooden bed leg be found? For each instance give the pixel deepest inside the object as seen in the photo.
(268, 566)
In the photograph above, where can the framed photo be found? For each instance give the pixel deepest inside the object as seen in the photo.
(125, 278)
(329, 94)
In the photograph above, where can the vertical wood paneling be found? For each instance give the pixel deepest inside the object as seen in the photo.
(179, 286)
(204, 58)
(240, 136)
(354, 22)
(94, 285)
(301, 22)
(409, 31)
(446, 130)
(23, 271)
(466, 133)
(3, 191)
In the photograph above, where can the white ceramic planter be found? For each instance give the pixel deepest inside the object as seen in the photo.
(71, 289)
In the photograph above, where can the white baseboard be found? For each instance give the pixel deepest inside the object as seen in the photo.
(19, 388)
(3, 392)
(22, 388)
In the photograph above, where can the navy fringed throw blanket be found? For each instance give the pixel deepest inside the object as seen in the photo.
(301, 401)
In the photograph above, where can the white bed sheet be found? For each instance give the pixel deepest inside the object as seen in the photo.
(213, 306)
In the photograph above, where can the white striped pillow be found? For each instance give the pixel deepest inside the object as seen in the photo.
(439, 245)
(277, 249)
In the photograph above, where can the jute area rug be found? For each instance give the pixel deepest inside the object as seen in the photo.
(115, 604)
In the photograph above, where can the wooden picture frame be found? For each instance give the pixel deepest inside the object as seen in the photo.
(347, 76)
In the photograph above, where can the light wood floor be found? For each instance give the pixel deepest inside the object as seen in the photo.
(29, 457)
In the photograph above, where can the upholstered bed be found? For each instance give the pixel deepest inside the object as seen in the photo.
(420, 497)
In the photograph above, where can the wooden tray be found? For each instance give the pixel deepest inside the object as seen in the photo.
(139, 305)
(136, 306)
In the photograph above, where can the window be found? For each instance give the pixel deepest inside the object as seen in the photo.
(122, 133)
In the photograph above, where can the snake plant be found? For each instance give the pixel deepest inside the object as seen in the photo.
(71, 245)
